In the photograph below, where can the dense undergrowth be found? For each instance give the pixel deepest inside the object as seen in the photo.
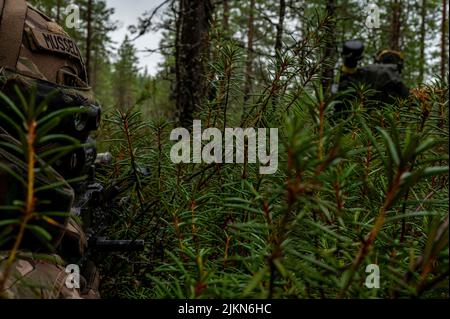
(366, 187)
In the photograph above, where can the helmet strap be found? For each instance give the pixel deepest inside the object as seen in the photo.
(12, 20)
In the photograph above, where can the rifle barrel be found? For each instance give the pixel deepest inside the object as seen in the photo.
(103, 244)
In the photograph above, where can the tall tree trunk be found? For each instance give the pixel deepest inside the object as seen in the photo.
(178, 22)
(249, 62)
(226, 17)
(94, 72)
(280, 26)
(394, 40)
(423, 15)
(89, 39)
(58, 11)
(330, 47)
(279, 42)
(444, 56)
(194, 48)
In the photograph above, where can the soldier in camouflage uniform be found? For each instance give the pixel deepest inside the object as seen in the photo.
(383, 76)
(37, 53)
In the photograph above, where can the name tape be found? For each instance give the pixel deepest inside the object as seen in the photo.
(56, 43)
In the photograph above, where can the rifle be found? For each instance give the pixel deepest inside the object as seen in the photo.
(93, 203)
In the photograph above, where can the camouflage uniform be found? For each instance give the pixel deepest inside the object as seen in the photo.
(37, 277)
(35, 52)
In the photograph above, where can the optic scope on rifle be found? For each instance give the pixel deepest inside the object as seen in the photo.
(352, 53)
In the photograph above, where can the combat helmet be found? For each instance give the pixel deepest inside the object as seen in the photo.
(391, 57)
(38, 57)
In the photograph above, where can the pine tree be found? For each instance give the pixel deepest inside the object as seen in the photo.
(125, 74)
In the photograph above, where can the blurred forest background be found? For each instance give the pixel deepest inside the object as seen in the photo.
(258, 29)
(371, 188)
